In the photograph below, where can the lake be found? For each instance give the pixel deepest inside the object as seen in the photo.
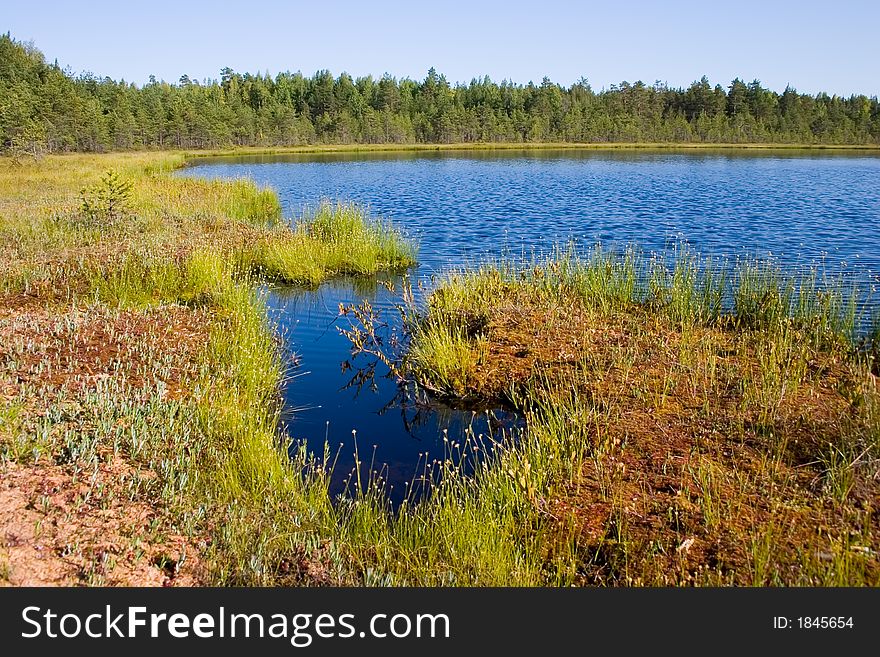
(802, 209)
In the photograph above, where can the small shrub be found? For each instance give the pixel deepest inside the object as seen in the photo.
(106, 201)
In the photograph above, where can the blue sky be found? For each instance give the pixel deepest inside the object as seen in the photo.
(814, 46)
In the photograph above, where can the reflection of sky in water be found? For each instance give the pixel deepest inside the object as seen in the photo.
(326, 402)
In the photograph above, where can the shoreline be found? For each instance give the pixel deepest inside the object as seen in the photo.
(171, 359)
(525, 146)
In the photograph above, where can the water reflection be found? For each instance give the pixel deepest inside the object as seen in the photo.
(347, 408)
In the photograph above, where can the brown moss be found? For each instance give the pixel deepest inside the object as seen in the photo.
(63, 530)
(692, 479)
(55, 346)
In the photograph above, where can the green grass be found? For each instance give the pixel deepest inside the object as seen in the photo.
(217, 467)
(273, 510)
(334, 240)
(738, 381)
(651, 375)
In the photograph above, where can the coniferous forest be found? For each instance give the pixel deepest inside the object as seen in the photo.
(45, 108)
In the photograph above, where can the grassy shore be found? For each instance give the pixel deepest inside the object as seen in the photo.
(139, 375)
(688, 423)
(530, 146)
(671, 439)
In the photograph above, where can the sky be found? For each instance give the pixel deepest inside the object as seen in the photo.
(808, 44)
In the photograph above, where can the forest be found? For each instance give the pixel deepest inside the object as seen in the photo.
(45, 108)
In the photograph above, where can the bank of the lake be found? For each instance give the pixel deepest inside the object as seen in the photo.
(140, 420)
(526, 146)
(686, 424)
(140, 374)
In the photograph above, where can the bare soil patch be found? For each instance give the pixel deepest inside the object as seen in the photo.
(64, 522)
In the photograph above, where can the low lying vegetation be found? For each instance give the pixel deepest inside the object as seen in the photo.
(688, 424)
(685, 425)
(138, 373)
(67, 222)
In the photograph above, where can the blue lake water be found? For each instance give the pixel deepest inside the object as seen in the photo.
(801, 209)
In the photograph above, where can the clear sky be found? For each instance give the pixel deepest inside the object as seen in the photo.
(812, 45)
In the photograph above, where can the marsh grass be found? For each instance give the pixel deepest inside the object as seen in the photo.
(687, 423)
(666, 393)
(334, 240)
(52, 245)
(872, 343)
(199, 430)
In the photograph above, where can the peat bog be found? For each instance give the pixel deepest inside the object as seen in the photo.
(692, 401)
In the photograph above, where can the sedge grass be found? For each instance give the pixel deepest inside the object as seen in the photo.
(212, 459)
(756, 378)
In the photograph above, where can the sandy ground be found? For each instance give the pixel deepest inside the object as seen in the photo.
(54, 533)
(67, 522)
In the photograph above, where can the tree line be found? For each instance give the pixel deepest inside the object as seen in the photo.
(46, 108)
